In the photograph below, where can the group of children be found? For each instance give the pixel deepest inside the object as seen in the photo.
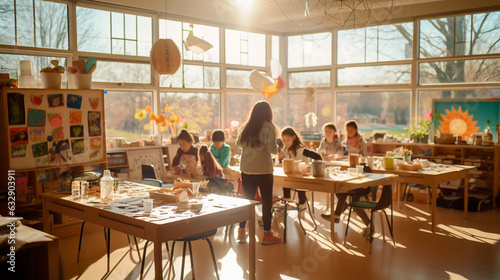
(258, 142)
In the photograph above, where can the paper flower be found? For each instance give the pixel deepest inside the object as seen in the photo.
(73, 70)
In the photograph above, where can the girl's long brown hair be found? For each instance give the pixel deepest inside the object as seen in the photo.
(331, 126)
(261, 112)
(297, 142)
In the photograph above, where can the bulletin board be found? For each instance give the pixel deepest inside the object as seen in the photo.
(136, 158)
(53, 127)
(465, 117)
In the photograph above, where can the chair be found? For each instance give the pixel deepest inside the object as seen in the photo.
(152, 182)
(148, 171)
(188, 239)
(407, 191)
(285, 214)
(384, 202)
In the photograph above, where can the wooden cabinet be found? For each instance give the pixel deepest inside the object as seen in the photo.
(49, 135)
(484, 179)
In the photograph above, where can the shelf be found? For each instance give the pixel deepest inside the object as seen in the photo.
(62, 166)
(118, 166)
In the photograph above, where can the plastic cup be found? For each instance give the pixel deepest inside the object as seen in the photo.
(359, 169)
(352, 171)
(353, 159)
(148, 205)
(196, 189)
(370, 161)
(84, 189)
(75, 190)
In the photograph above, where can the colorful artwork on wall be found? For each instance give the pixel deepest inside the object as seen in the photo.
(75, 117)
(76, 131)
(57, 134)
(55, 100)
(55, 119)
(94, 123)
(94, 102)
(16, 108)
(36, 100)
(77, 146)
(36, 117)
(37, 134)
(74, 101)
(18, 136)
(39, 149)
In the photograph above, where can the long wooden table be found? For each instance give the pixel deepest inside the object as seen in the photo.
(218, 211)
(433, 177)
(338, 184)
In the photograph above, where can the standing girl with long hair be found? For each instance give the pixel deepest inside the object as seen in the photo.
(257, 141)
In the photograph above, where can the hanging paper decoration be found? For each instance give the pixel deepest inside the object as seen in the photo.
(195, 44)
(311, 119)
(279, 83)
(257, 80)
(310, 91)
(165, 57)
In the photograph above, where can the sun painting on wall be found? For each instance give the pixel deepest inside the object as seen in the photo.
(458, 123)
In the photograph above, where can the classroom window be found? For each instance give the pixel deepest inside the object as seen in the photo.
(309, 79)
(195, 76)
(460, 71)
(122, 72)
(245, 48)
(300, 105)
(113, 33)
(375, 44)
(238, 79)
(390, 111)
(239, 105)
(121, 121)
(48, 29)
(374, 75)
(310, 50)
(201, 111)
(9, 63)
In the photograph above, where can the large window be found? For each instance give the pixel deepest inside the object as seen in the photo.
(195, 76)
(373, 75)
(460, 71)
(375, 44)
(310, 50)
(309, 79)
(245, 48)
(300, 105)
(389, 111)
(113, 33)
(201, 111)
(49, 28)
(121, 118)
(122, 72)
(10, 63)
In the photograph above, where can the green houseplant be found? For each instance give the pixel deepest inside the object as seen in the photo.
(420, 133)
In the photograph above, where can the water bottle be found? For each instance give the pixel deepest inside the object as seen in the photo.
(107, 183)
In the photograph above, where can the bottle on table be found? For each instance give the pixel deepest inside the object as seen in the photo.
(107, 185)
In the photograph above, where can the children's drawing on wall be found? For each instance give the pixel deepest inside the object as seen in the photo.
(18, 136)
(74, 101)
(16, 108)
(55, 119)
(77, 146)
(76, 131)
(55, 100)
(75, 117)
(18, 151)
(36, 117)
(54, 155)
(36, 100)
(42, 161)
(95, 143)
(57, 134)
(39, 149)
(94, 102)
(66, 157)
(37, 134)
(94, 123)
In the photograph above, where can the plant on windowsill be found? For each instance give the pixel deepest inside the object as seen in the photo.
(420, 133)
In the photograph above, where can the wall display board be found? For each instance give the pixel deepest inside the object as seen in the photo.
(136, 158)
(53, 127)
(465, 117)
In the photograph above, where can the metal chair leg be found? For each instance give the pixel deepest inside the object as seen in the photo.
(183, 259)
(170, 267)
(285, 214)
(144, 258)
(192, 260)
(80, 242)
(213, 258)
(310, 214)
(137, 247)
(109, 247)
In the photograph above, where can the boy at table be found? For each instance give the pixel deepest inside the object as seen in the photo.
(220, 150)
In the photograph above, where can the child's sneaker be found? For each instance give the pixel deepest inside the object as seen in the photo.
(242, 236)
(270, 238)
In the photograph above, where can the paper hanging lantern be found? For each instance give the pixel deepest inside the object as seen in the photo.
(258, 80)
(197, 45)
(165, 57)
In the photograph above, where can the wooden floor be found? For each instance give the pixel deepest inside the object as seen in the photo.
(460, 249)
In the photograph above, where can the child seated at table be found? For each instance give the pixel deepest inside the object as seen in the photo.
(220, 150)
(186, 158)
(213, 171)
(294, 148)
(354, 142)
(330, 147)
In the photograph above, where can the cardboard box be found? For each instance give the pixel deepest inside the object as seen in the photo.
(51, 186)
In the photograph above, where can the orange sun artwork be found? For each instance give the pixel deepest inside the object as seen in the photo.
(458, 123)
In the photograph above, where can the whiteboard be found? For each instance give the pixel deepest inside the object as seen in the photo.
(136, 158)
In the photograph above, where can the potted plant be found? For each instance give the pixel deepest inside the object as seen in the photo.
(420, 133)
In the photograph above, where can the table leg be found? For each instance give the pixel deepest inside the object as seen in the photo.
(328, 197)
(251, 246)
(466, 193)
(46, 216)
(332, 215)
(433, 207)
(158, 260)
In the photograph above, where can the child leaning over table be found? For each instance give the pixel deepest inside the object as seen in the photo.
(295, 149)
(220, 150)
(186, 158)
(330, 147)
(213, 171)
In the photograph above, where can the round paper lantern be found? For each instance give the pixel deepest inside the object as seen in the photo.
(165, 57)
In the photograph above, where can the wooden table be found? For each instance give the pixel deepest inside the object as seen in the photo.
(433, 177)
(338, 184)
(218, 211)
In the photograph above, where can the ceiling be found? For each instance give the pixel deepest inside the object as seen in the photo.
(288, 16)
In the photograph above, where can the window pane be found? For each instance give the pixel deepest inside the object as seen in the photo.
(120, 114)
(275, 45)
(374, 44)
(486, 30)
(374, 75)
(174, 80)
(238, 107)
(300, 106)
(120, 72)
(443, 37)
(460, 71)
(201, 111)
(245, 48)
(309, 79)
(10, 64)
(7, 29)
(130, 27)
(145, 35)
(238, 79)
(117, 23)
(195, 76)
(93, 30)
(310, 50)
(51, 25)
(390, 112)
(25, 22)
